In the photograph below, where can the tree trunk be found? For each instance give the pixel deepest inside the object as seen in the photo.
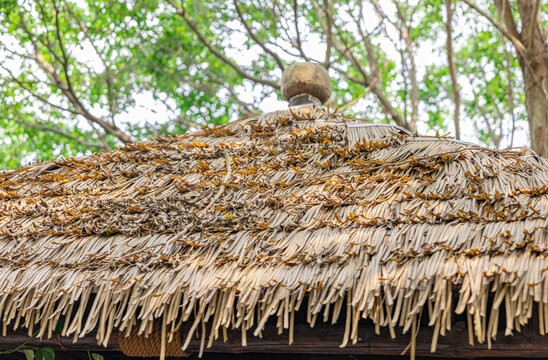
(537, 113)
(534, 66)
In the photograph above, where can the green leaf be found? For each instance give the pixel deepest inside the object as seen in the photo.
(97, 357)
(29, 354)
(45, 353)
(60, 325)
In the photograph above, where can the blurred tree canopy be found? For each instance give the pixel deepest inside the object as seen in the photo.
(73, 71)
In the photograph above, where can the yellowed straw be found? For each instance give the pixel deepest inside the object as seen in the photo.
(231, 225)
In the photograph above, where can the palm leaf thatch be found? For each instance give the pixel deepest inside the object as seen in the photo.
(295, 209)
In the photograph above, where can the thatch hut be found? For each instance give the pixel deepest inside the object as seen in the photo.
(299, 230)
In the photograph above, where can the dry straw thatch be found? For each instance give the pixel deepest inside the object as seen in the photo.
(228, 226)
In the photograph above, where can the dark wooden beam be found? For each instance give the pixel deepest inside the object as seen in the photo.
(14, 339)
(325, 339)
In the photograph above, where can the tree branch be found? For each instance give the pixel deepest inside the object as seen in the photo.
(452, 67)
(492, 134)
(34, 94)
(328, 34)
(246, 108)
(508, 19)
(491, 93)
(113, 104)
(367, 43)
(299, 44)
(182, 12)
(343, 49)
(534, 14)
(256, 39)
(512, 33)
(494, 137)
(354, 101)
(65, 59)
(62, 133)
(510, 93)
(66, 88)
(404, 33)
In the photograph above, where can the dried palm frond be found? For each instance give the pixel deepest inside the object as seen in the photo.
(231, 225)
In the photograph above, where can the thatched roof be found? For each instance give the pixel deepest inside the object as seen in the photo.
(229, 226)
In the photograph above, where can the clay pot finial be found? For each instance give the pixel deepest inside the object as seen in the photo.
(306, 83)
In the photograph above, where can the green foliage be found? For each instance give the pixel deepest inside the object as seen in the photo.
(44, 353)
(94, 356)
(71, 71)
(29, 354)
